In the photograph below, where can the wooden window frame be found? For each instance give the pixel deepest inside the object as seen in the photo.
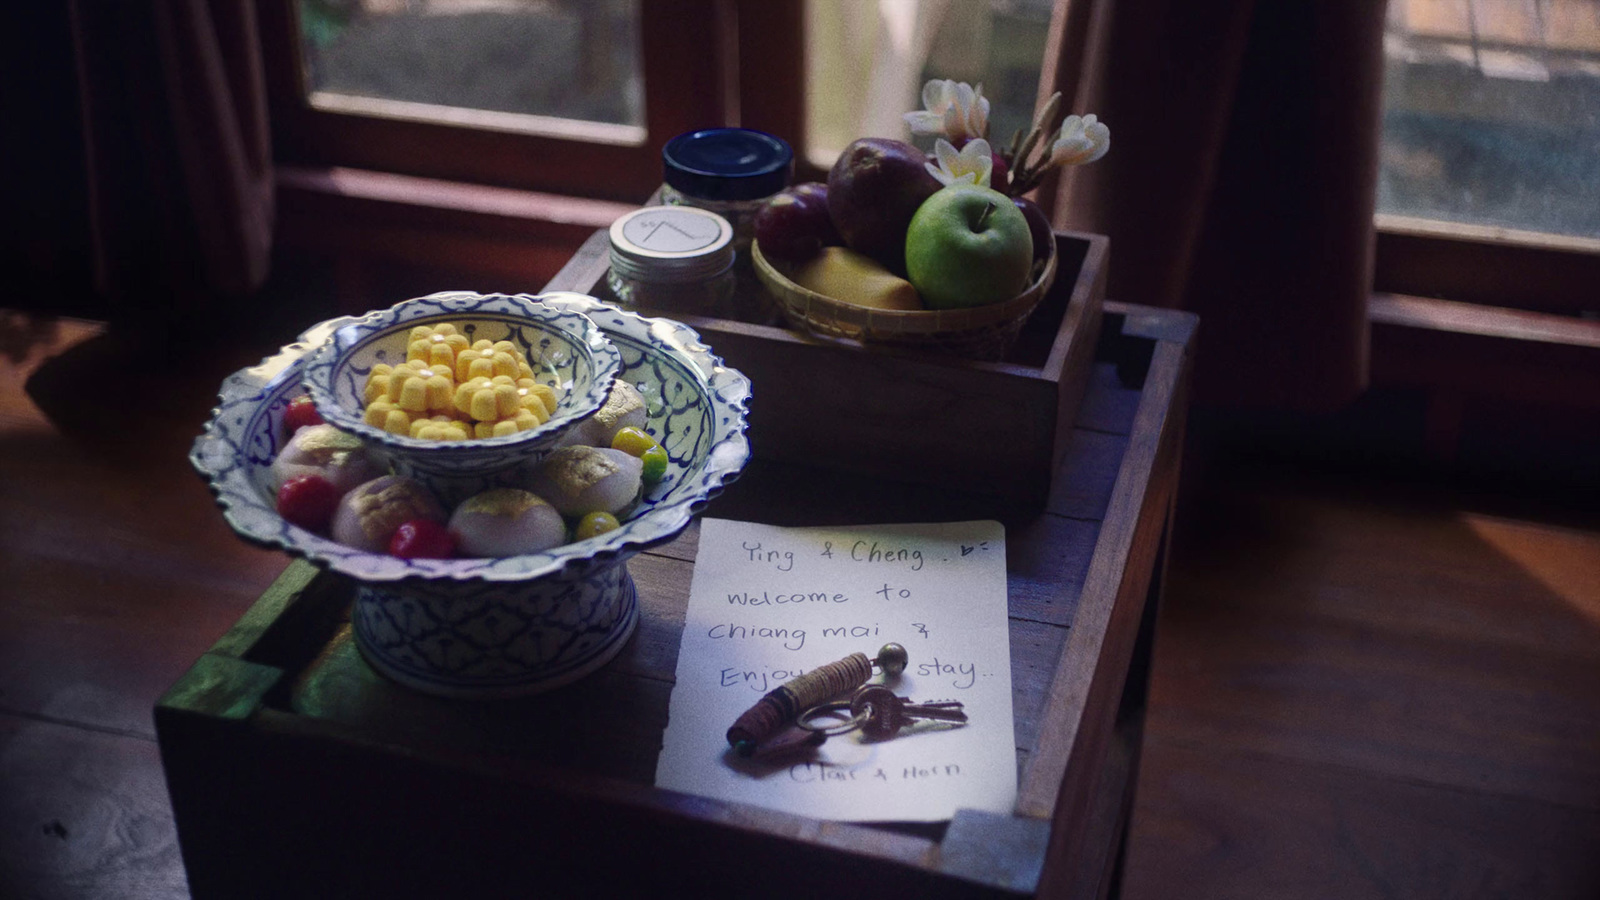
(1538, 273)
(741, 62)
(691, 64)
(472, 206)
(1476, 316)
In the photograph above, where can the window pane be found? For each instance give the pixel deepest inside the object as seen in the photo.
(433, 59)
(1492, 113)
(866, 63)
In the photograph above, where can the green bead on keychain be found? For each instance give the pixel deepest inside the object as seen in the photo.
(892, 659)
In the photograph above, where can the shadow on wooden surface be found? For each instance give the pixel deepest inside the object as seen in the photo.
(1371, 689)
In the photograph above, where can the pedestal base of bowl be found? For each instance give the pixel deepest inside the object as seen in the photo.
(490, 640)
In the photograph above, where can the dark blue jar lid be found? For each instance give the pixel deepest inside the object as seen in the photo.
(727, 164)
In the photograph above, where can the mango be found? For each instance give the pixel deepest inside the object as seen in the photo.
(850, 277)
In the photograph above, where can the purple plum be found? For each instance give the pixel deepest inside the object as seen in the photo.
(874, 189)
(1038, 227)
(1000, 174)
(794, 225)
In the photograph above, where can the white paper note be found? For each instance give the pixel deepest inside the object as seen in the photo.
(770, 603)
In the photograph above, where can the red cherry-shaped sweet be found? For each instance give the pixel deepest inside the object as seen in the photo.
(422, 539)
(300, 413)
(308, 501)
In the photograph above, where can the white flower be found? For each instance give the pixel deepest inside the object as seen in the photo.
(973, 165)
(953, 110)
(1082, 139)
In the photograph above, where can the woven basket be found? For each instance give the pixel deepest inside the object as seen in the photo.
(983, 332)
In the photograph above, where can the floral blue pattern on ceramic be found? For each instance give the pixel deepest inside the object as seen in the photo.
(514, 625)
(567, 352)
(484, 641)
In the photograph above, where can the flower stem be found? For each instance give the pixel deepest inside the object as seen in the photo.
(1043, 124)
(1025, 174)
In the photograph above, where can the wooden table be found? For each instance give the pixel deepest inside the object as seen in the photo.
(295, 771)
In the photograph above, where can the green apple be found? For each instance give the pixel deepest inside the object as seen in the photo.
(968, 245)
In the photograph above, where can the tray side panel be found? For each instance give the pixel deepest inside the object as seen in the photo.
(326, 813)
(905, 419)
(1072, 355)
(1068, 777)
(914, 417)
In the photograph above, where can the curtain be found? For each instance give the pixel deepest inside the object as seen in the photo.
(875, 53)
(1240, 183)
(174, 121)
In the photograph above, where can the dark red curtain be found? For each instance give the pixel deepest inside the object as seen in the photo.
(178, 152)
(1240, 184)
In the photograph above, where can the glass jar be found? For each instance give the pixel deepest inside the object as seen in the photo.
(673, 258)
(729, 171)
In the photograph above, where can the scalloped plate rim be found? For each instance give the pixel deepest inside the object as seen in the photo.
(724, 385)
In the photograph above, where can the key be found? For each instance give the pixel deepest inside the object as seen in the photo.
(779, 706)
(886, 713)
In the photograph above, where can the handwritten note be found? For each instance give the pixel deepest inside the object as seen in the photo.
(768, 604)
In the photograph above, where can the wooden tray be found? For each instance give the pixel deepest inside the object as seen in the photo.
(295, 771)
(999, 427)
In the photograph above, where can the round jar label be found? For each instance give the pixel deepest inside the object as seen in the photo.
(671, 230)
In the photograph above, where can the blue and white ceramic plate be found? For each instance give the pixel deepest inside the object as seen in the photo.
(697, 411)
(564, 347)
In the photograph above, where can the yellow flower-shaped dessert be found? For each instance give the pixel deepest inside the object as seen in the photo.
(382, 413)
(500, 397)
(504, 405)
(436, 345)
(521, 421)
(487, 399)
(419, 388)
(486, 359)
(530, 392)
(377, 383)
(440, 428)
(450, 390)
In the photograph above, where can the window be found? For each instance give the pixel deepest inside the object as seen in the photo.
(821, 72)
(1489, 184)
(381, 84)
(1492, 114)
(532, 66)
(577, 96)
(866, 64)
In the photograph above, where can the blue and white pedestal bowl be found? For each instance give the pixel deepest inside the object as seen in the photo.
(482, 640)
(486, 628)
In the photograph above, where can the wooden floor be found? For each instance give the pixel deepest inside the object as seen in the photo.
(1362, 688)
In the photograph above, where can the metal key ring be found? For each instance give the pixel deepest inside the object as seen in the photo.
(825, 709)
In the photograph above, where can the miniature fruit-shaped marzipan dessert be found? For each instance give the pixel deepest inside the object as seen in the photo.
(327, 482)
(506, 522)
(369, 515)
(326, 451)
